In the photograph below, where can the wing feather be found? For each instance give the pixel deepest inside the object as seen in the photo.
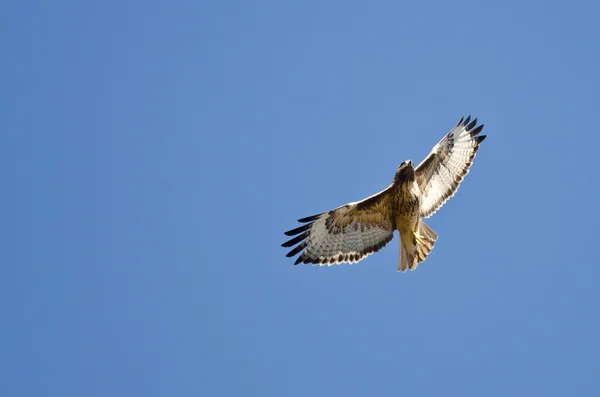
(346, 234)
(440, 174)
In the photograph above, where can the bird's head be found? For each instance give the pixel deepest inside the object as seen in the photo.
(405, 172)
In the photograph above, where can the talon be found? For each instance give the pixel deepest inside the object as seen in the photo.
(418, 239)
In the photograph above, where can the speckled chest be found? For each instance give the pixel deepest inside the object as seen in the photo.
(407, 202)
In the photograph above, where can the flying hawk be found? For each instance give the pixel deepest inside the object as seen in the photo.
(353, 231)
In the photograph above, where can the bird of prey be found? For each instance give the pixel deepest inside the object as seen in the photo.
(353, 231)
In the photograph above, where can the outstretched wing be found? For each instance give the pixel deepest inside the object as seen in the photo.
(440, 174)
(345, 234)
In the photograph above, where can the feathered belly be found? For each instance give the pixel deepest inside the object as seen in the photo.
(407, 208)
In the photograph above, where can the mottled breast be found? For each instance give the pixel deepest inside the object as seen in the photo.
(407, 202)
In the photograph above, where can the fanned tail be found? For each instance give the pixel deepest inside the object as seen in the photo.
(415, 247)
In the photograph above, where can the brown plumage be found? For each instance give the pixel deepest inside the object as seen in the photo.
(353, 231)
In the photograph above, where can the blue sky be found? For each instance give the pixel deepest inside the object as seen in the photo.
(153, 154)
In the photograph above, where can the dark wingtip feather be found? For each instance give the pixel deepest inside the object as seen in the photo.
(295, 240)
(467, 120)
(471, 124)
(298, 261)
(476, 130)
(480, 139)
(460, 121)
(309, 218)
(297, 230)
(297, 249)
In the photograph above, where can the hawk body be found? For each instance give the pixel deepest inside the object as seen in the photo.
(353, 231)
(406, 198)
(406, 205)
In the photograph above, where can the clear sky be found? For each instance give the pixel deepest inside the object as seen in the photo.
(153, 154)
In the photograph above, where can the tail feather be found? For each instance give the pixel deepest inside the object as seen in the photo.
(412, 254)
(404, 257)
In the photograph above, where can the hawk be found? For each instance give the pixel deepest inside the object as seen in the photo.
(350, 233)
